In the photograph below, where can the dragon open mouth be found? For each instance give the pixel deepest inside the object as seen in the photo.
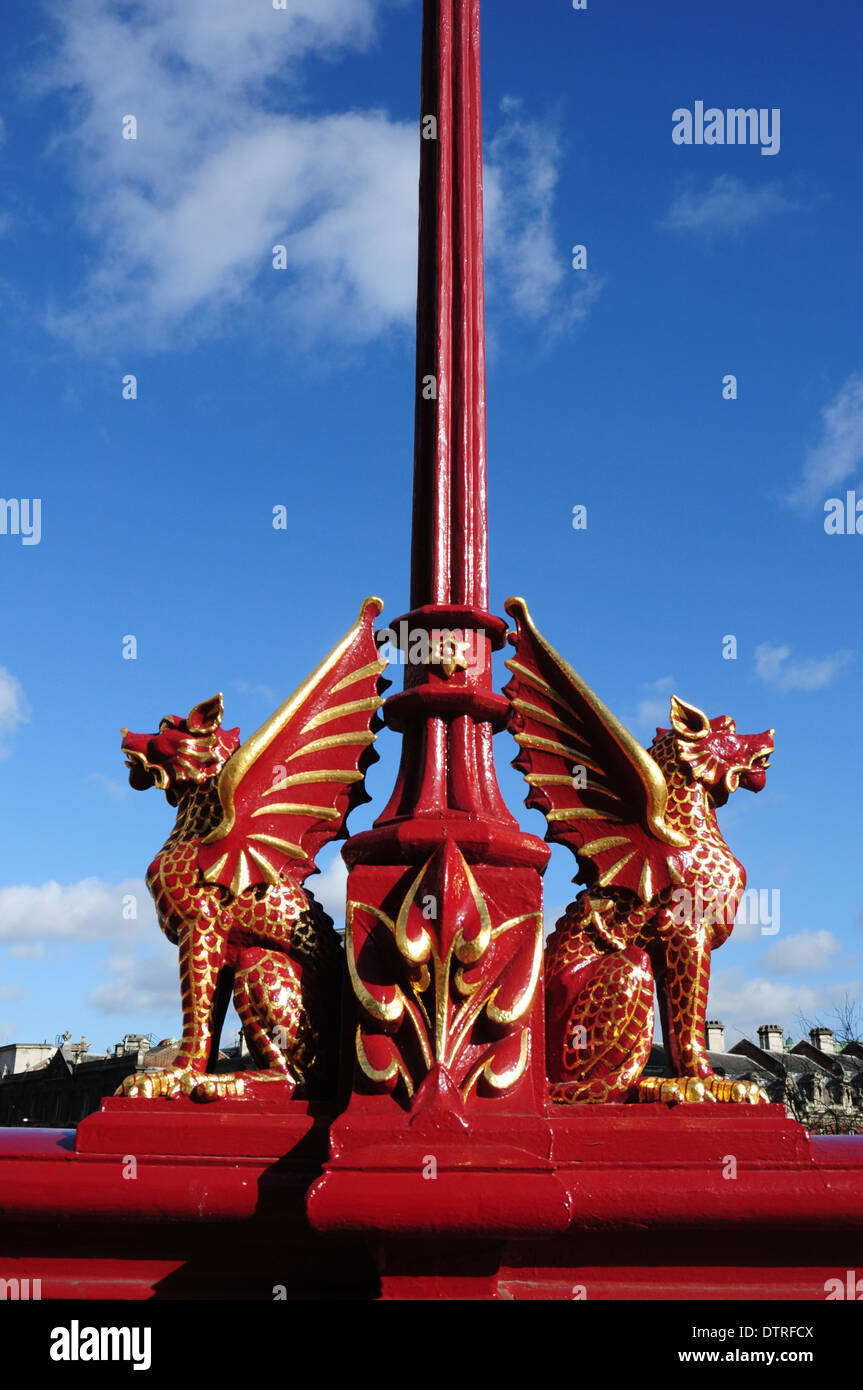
(754, 777)
(144, 774)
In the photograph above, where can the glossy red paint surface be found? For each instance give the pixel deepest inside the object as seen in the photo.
(440, 1180)
(602, 1202)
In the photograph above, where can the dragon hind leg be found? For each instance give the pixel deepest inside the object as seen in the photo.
(608, 1029)
(268, 996)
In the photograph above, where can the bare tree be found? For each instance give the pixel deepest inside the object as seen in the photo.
(846, 1021)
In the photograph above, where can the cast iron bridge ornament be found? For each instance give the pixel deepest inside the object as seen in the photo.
(444, 926)
(446, 1142)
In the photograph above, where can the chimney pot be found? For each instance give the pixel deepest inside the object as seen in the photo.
(771, 1038)
(822, 1038)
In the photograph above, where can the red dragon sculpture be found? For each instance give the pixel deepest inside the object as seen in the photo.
(227, 883)
(662, 885)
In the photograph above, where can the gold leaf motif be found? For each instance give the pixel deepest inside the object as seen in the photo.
(448, 997)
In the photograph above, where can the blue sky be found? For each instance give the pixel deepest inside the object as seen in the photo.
(259, 387)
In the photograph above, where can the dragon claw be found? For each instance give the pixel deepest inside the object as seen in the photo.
(173, 1082)
(674, 1089)
(216, 1087)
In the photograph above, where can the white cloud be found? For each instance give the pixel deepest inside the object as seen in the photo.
(726, 208)
(808, 950)
(744, 1004)
(330, 889)
(264, 692)
(27, 950)
(324, 189)
(774, 666)
(186, 216)
(526, 257)
(141, 985)
(88, 910)
(839, 452)
(652, 709)
(14, 709)
(114, 790)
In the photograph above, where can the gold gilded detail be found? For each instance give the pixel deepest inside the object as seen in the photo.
(384, 1074)
(374, 668)
(607, 842)
(645, 883)
(286, 846)
(449, 996)
(611, 874)
(249, 752)
(323, 745)
(539, 684)
(294, 808)
(652, 780)
(304, 779)
(503, 1080)
(329, 716)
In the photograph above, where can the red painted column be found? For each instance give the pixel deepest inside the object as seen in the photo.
(447, 720)
(444, 916)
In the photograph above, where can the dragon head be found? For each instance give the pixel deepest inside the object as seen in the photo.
(184, 753)
(716, 754)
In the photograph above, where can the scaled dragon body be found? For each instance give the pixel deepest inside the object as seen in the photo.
(227, 883)
(662, 885)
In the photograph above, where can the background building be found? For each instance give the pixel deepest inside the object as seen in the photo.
(819, 1083)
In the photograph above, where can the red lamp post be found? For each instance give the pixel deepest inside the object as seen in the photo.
(445, 906)
(444, 917)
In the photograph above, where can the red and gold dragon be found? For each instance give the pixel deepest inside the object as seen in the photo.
(227, 883)
(662, 886)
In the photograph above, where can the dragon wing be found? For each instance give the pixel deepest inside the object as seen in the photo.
(600, 792)
(289, 788)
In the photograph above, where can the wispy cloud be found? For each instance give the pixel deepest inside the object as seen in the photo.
(807, 950)
(87, 910)
(14, 709)
(727, 208)
(525, 254)
(13, 992)
(139, 987)
(743, 1004)
(774, 665)
(184, 218)
(652, 708)
(330, 889)
(839, 452)
(113, 789)
(263, 692)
